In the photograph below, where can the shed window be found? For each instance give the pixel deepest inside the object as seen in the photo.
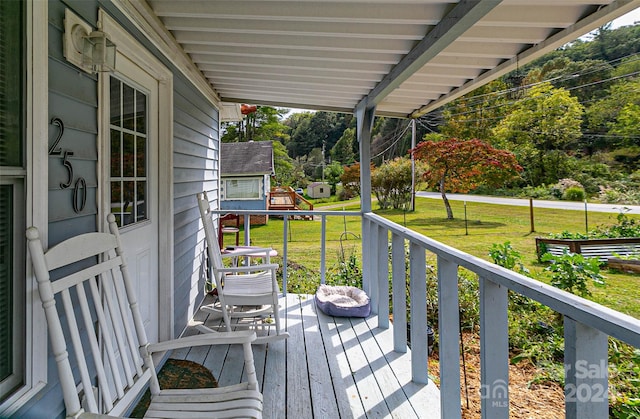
(242, 189)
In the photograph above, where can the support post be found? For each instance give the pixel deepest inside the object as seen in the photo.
(372, 248)
(382, 257)
(366, 257)
(533, 228)
(323, 250)
(247, 229)
(285, 227)
(364, 119)
(586, 371)
(399, 284)
(449, 327)
(413, 165)
(418, 292)
(494, 350)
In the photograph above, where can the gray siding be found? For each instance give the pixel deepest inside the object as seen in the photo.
(73, 97)
(195, 169)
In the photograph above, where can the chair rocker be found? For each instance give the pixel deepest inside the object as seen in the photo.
(111, 357)
(247, 292)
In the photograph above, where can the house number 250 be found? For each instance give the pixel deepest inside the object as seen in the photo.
(80, 186)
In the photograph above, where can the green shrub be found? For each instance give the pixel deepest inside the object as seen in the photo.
(506, 256)
(625, 227)
(537, 192)
(573, 193)
(346, 272)
(624, 380)
(572, 272)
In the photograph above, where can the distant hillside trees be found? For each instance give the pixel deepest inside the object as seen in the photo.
(539, 130)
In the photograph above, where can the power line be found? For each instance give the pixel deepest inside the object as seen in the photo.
(561, 78)
(395, 141)
(475, 100)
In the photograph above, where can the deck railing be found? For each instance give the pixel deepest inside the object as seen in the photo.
(587, 325)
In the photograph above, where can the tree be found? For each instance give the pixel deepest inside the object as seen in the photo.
(284, 168)
(332, 174)
(587, 80)
(602, 115)
(350, 179)
(545, 120)
(343, 150)
(477, 113)
(315, 130)
(455, 165)
(262, 125)
(391, 182)
(627, 123)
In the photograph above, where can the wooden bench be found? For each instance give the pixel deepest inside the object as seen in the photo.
(603, 249)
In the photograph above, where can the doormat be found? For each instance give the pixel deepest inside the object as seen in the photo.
(177, 373)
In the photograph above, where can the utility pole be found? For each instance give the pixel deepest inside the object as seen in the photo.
(323, 145)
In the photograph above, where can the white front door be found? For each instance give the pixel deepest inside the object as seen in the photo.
(131, 177)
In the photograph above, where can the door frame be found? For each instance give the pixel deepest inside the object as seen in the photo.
(127, 45)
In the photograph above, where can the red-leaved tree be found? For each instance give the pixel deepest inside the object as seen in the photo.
(461, 165)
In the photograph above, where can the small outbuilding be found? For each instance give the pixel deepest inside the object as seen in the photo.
(246, 169)
(319, 190)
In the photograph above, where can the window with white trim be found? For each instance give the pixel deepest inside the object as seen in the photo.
(12, 198)
(24, 125)
(241, 188)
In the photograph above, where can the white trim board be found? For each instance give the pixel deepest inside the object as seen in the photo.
(36, 193)
(130, 47)
(141, 15)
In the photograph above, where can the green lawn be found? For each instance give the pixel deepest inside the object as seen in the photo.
(487, 224)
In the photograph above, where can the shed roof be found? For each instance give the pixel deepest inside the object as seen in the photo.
(405, 57)
(246, 158)
(314, 184)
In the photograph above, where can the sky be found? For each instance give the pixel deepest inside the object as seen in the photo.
(628, 19)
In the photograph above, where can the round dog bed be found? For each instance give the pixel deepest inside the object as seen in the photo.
(342, 301)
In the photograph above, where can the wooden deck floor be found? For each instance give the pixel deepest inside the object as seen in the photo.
(328, 368)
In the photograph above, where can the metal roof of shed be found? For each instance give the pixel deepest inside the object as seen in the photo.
(406, 57)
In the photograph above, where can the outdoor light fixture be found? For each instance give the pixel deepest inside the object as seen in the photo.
(90, 50)
(98, 52)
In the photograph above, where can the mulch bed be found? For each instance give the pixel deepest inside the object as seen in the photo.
(525, 401)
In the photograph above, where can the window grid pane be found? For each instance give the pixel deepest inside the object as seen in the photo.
(129, 149)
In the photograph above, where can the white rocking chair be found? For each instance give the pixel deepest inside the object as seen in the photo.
(104, 328)
(247, 291)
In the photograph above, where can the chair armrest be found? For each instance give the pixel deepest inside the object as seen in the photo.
(222, 338)
(248, 268)
(254, 252)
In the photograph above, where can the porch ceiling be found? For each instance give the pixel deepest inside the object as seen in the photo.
(407, 57)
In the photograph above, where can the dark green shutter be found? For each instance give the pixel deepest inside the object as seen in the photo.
(11, 76)
(6, 281)
(11, 154)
